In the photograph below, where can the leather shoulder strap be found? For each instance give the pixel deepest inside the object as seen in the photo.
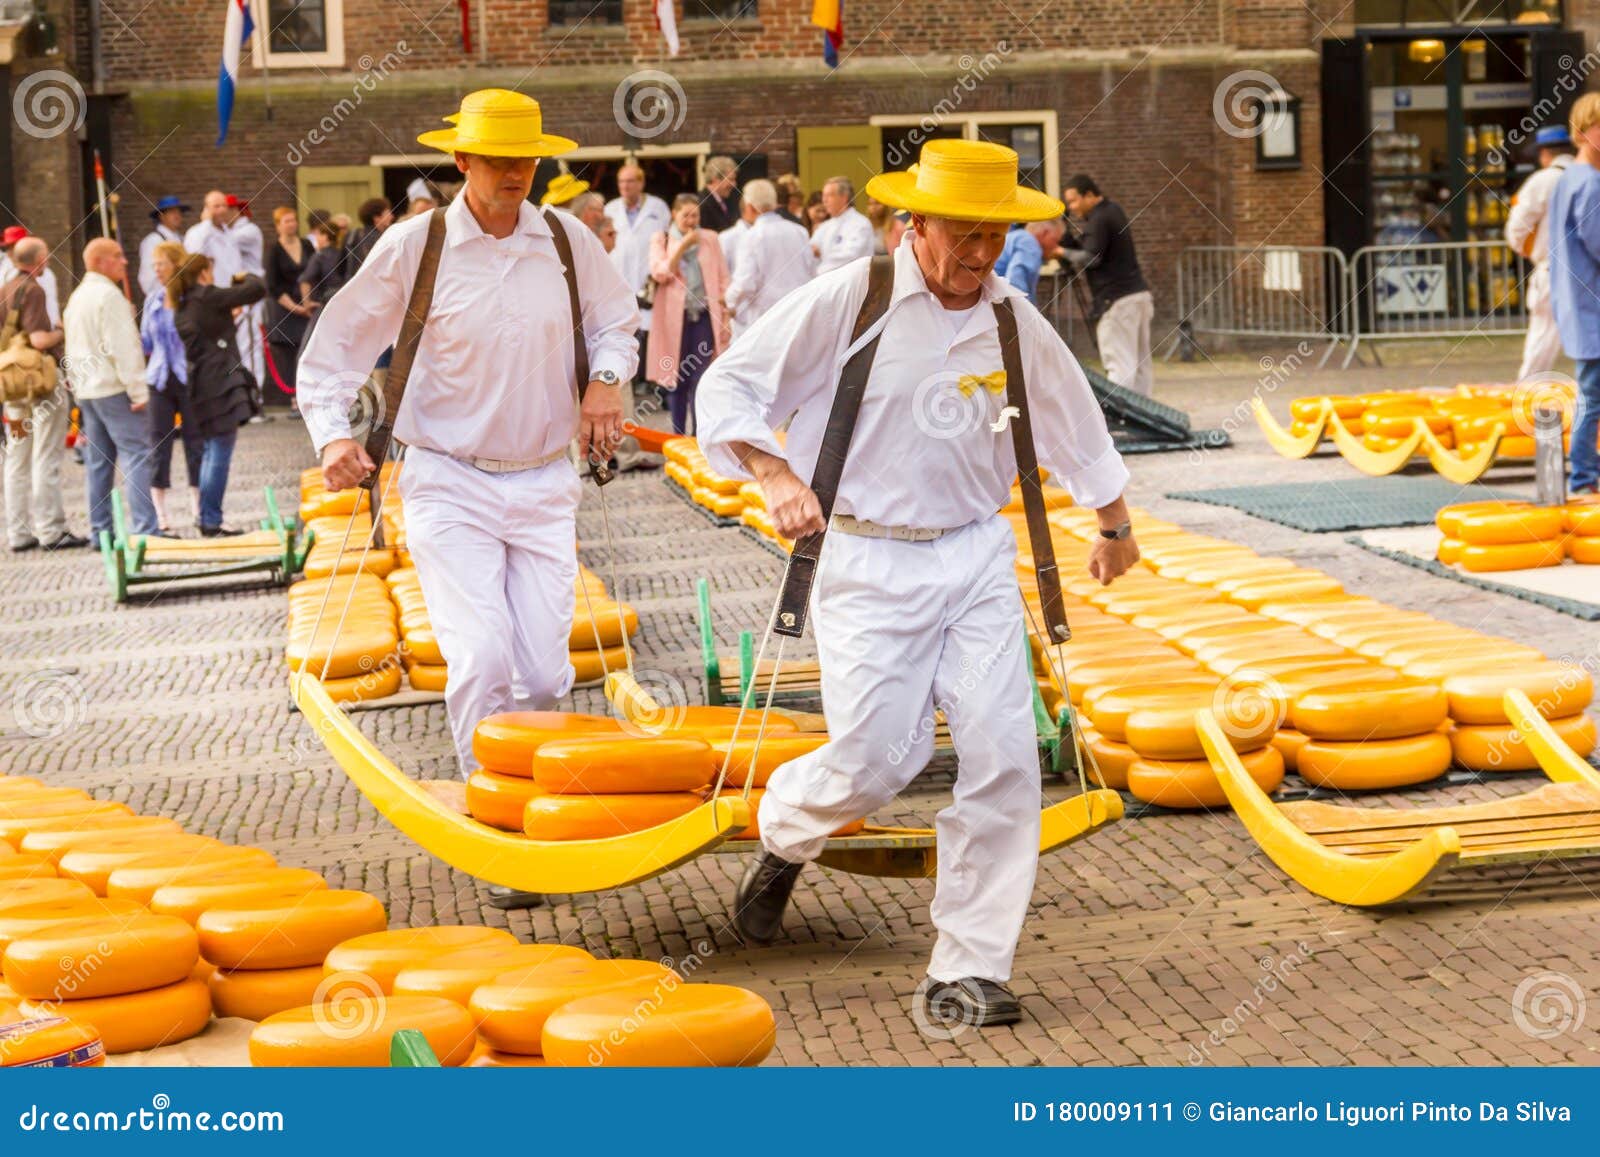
(580, 348)
(1044, 554)
(802, 568)
(405, 347)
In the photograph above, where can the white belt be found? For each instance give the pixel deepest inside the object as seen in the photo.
(512, 466)
(864, 528)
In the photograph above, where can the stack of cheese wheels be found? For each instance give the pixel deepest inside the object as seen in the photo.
(1581, 517)
(317, 501)
(355, 1030)
(269, 946)
(1483, 738)
(589, 789)
(456, 975)
(1497, 536)
(1294, 634)
(379, 957)
(245, 992)
(504, 746)
(686, 1025)
(356, 644)
(353, 535)
(419, 646)
(511, 1009)
(681, 455)
(128, 974)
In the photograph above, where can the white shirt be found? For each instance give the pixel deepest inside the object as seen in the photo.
(245, 235)
(213, 240)
(840, 240)
(148, 281)
(729, 239)
(103, 354)
(1530, 207)
(923, 454)
(775, 259)
(632, 253)
(494, 374)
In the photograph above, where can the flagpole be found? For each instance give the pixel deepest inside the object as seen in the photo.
(261, 42)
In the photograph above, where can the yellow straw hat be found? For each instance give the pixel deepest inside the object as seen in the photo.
(496, 122)
(967, 181)
(563, 187)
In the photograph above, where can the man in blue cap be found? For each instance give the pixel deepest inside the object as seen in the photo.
(1527, 233)
(168, 216)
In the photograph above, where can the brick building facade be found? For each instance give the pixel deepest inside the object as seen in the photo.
(1127, 90)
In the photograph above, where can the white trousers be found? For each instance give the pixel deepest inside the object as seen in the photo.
(1123, 334)
(498, 559)
(902, 627)
(1542, 347)
(34, 505)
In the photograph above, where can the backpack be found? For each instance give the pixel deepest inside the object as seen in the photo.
(27, 375)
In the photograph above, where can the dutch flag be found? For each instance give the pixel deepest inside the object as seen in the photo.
(236, 34)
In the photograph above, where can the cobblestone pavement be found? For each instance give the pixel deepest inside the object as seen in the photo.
(1163, 940)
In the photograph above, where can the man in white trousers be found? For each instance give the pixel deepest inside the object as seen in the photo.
(1121, 307)
(490, 408)
(915, 602)
(1527, 235)
(638, 216)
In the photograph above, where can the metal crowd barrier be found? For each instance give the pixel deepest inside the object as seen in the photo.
(1264, 291)
(1449, 289)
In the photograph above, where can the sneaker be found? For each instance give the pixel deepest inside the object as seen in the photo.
(219, 531)
(68, 541)
(763, 896)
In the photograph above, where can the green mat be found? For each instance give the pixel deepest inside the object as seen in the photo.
(1350, 504)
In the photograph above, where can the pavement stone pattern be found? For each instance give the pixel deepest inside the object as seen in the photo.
(1163, 940)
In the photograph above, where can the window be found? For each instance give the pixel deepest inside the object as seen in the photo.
(723, 10)
(299, 34)
(1032, 134)
(585, 11)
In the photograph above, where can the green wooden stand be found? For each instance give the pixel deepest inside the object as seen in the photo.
(127, 565)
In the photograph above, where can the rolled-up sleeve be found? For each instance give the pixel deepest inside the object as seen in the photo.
(610, 309)
(352, 330)
(771, 369)
(1069, 429)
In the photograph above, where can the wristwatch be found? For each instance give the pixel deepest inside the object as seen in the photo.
(607, 378)
(1118, 533)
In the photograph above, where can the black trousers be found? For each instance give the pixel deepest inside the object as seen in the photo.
(164, 408)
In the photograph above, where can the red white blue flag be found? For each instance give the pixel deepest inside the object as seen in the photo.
(236, 35)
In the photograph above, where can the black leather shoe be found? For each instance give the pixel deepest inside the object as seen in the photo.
(20, 547)
(971, 1001)
(219, 532)
(511, 900)
(68, 541)
(762, 897)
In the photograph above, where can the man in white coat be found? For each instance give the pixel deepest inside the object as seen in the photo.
(1527, 235)
(846, 234)
(775, 258)
(491, 406)
(638, 217)
(245, 237)
(915, 589)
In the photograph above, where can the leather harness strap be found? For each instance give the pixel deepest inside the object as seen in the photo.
(580, 349)
(1044, 552)
(802, 569)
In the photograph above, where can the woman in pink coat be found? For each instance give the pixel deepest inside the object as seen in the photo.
(689, 326)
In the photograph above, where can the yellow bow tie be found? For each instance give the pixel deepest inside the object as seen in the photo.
(995, 383)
